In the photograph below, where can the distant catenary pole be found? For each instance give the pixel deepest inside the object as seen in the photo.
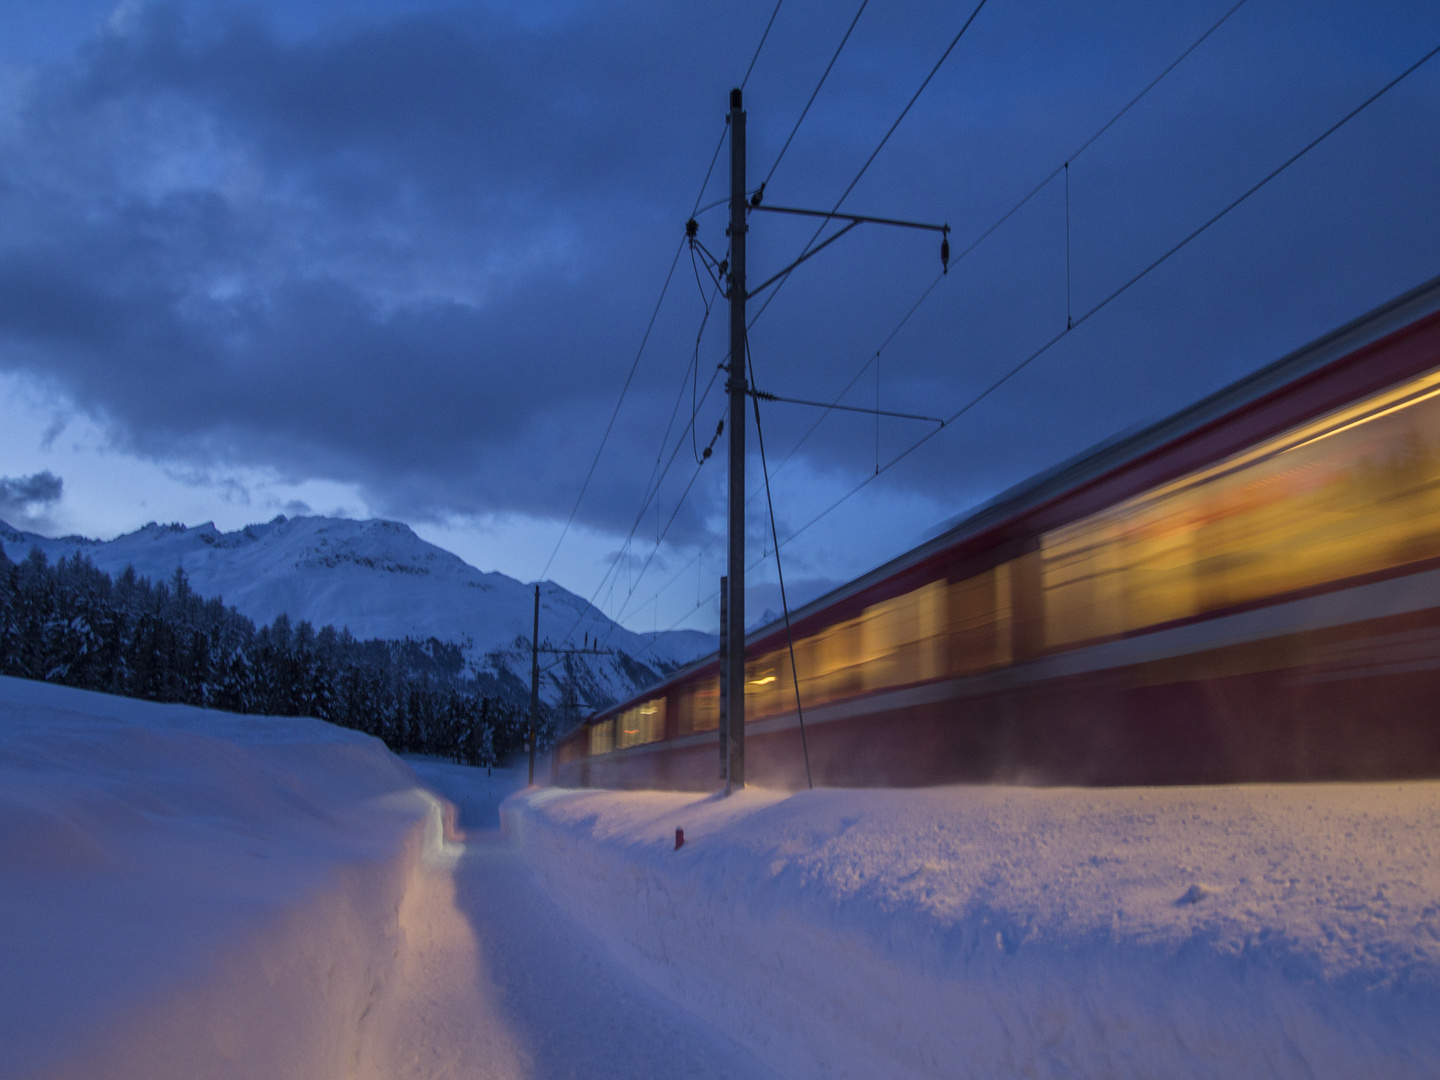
(534, 682)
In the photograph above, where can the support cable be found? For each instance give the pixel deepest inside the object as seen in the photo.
(1069, 322)
(1103, 128)
(708, 172)
(779, 570)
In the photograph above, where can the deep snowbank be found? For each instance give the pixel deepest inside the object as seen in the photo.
(185, 893)
(1002, 932)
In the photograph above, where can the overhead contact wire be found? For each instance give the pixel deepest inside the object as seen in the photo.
(814, 93)
(1003, 379)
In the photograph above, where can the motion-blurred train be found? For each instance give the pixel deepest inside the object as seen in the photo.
(1249, 590)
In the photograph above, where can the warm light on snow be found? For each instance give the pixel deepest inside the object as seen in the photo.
(1254, 931)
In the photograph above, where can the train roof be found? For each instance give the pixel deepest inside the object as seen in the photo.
(1120, 452)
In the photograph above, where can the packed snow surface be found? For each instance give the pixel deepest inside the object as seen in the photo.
(1253, 931)
(193, 893)
(378, 579)
(188, 894)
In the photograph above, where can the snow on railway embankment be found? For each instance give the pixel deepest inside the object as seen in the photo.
(1260, 931)
(190, 893)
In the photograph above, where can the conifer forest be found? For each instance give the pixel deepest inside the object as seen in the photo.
(70, 623)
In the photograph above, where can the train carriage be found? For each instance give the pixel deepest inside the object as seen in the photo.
(1249, 590)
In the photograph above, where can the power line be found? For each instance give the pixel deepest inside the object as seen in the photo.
(763, 36)
(713, 158)
(611, 425)
(651, 493)
(1103, 128)
(793, 450)
(1063, 167)
(639, 516)
(825, 75)
(708, 172)
(873, 155)
(779, 571)
(1016, 369)
(1003, 379)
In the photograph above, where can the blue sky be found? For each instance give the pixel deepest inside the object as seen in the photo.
(396, 259)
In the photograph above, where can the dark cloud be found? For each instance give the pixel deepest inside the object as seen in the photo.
(25, 499)
(416, 251)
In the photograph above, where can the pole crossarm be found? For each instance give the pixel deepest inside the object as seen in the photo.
(764, 395)
(856, 218)
(808, 255)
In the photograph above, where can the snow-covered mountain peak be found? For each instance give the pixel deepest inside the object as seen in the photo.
(380, 580)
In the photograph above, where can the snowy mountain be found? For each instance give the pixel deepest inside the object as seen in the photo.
(380, 580)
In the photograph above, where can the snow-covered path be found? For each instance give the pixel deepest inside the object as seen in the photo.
(519, 989)
(187, 894)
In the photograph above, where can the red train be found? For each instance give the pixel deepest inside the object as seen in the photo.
(1249, 590)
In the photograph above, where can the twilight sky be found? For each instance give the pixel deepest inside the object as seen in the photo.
(396, 259)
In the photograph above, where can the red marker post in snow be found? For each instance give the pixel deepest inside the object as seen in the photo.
(679, 839)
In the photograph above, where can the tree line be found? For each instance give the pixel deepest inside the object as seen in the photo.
(70, 623)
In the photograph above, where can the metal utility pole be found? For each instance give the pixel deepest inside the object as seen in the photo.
(534, 683)
(724, 678)
(568, 655)
(732, 593)
(734, 629)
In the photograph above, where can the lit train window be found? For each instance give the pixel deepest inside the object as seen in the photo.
(1353, 493)
(980, 621)
(602, 737)
(894, 642)
(642, 723)
(698, 706)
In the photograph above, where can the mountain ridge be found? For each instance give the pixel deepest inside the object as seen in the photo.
(378, 579)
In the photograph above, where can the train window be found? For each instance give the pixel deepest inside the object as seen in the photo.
(1353, 493)
(697, 706)
(896, 641)
(904, 637)
(642, 723)
(602, 737)
(980, 621)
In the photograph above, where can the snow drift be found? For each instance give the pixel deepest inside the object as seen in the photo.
(186, 893)
(1000, 932)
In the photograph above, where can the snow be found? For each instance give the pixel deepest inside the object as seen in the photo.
(548, 993)
(1000, 932)
(378, 579)
(187, 894)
